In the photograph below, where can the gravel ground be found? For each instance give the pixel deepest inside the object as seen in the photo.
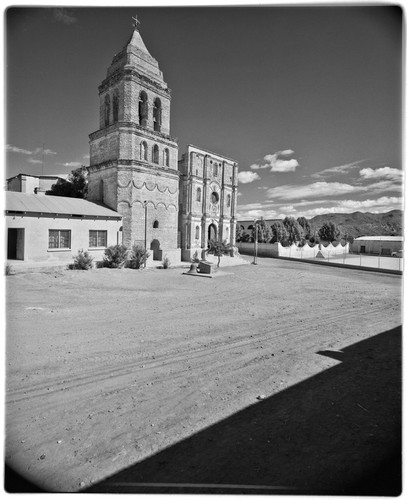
(283, 377)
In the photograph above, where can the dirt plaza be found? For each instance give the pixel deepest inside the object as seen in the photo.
(281, 377)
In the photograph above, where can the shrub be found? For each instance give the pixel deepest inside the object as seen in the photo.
(138, 257)
(82, 261)
(9, 270)
(115, 256)
(166, 263)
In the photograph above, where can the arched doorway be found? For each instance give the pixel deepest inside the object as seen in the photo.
(155, 247)
(212, 232)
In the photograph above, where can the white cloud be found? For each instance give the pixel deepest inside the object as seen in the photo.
(277, 162)
(32, 160)
(378, 205)
(14, 149)
(381, 173)
(74, 164)
(340, 169)
(246, 177)
(45, 152)
(317, 189)
(63, 16)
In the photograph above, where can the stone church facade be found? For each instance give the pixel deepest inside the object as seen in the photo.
(172, 207)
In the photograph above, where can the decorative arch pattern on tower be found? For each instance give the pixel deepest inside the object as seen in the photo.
(167, 206)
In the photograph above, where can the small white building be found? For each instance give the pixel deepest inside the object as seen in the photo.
(52, 229)
(377, 245)
(33, 184)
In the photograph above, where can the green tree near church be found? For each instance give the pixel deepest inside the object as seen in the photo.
(218, 249)
(75, 186)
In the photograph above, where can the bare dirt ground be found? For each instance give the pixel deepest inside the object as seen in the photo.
(147, 381)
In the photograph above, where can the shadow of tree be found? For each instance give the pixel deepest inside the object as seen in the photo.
(338, 432)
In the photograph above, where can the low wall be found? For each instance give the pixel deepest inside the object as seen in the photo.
(308, 252)
(295, 252)
(263, 249)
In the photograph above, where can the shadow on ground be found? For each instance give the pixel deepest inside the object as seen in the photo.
(338, 432)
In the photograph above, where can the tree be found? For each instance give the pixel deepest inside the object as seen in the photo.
(218, 249)
(329, 232)
(75, 186)
(305, 225)
(278, 232)
(239, 232)
(263, 231)
(293, 229)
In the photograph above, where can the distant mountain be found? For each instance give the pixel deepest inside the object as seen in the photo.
(363, 224)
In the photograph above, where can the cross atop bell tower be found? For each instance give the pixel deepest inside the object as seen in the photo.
(136, 23)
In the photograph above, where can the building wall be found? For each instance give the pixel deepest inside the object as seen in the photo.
(203, 174)
(376, 247)
(36, 236)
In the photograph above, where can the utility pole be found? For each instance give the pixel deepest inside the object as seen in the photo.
(145, 230)
(255, 243)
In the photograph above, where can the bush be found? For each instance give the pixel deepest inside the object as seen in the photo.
(82, 261)
(166, 263)
(115, 256)
(9, 270)
(138, 257)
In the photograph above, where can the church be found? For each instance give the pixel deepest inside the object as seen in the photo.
(172, 206)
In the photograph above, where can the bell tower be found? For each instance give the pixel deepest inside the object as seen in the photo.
(133, 159)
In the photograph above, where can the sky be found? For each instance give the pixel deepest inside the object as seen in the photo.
(306, 99)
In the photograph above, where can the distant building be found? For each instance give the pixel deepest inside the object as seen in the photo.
(51, 229)
(28, 183)
(377, 245)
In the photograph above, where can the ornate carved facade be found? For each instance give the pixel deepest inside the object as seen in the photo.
(134, 166)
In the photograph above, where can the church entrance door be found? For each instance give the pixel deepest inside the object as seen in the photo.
(155, 247)
(212, 232)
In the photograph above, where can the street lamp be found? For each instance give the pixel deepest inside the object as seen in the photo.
(255, 243)
(145, 230)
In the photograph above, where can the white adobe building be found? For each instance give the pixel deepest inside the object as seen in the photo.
(377, 245)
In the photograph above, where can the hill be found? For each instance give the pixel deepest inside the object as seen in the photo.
(363, 224)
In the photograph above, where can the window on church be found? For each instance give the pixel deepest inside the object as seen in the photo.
(166, 157)
(116, 106)
(58, 238)
(143, 151)
(97, 239)
(157, 114)
(198, 194)
(155, 156)
(107, 110)
(215, 169)
(197, 232)
(143, 109)
(155, 225)
(228, 201)
(214, 197)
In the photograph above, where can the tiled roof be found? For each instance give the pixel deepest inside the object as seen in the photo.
(61, 205)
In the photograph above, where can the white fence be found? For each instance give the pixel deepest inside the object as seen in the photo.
(295, 252)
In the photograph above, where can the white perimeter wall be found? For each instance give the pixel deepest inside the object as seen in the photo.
(305, 252)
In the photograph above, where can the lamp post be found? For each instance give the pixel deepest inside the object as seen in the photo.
(145, 230)
(255, 243)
